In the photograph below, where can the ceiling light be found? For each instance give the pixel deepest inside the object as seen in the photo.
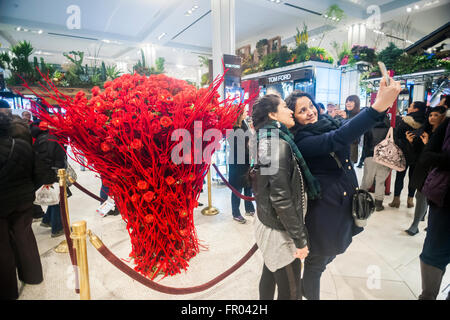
(161, 36)
(416, 7)
(18, 29)
(408, 9)
(40, 31)
(26, 30)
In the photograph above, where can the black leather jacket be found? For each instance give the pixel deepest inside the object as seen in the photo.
(279, 190)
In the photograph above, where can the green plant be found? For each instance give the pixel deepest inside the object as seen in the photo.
(302, 37)
(390, 55)
(260, 46)
(301, 51)
(270, 61)
(112, 72)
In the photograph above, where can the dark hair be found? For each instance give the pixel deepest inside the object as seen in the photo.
(447, 100)
(4, 104)
(262, 107)
(291, 100)
(356, 109)
(321, 106)
(422, 106)
(439, 109)
(5, 124)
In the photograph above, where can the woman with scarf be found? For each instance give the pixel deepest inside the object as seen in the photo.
(280, 178)
(409, 124)
(352, 108)
(325, 145)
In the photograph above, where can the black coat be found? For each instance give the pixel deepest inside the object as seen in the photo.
(239, 157)
(279, 191)
(329, 220)
(431, 157)
(20, 175)
(410, 122)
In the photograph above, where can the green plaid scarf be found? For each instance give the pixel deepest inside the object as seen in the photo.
(312, 185)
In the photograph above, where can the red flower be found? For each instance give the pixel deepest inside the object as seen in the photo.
(105, 147)
(191, 177)
(43, 125)
(136, 144)
(170, 180)
(165, 121)
(148, 196)
(183, 213)
(142, 185)
(135, 197)
(95, 91)
(116, 122)
(183, 232)
(149, 218)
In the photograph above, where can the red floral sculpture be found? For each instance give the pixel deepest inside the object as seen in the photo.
(124, 132)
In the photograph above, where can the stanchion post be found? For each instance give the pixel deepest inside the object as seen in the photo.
(79, 239)
(209, 210)
(63, 246)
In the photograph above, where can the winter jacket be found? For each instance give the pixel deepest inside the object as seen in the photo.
(279, 192)
(432, 156)
(21, 173)
(410, 122)
(329, 220)
(375, 136)
(49, 151)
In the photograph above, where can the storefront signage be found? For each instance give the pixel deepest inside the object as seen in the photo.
(280, 78)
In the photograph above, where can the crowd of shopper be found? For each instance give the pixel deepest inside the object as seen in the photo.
(304, 202)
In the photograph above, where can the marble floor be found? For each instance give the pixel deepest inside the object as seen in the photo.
(381, 263)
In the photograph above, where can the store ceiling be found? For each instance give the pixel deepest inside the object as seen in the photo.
(116, 29)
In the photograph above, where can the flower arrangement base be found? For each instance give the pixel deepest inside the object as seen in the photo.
(125, 133)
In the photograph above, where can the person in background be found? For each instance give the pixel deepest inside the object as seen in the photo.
(325, 145)
(435, 118)
(352, 108)
(104, 190)
(54, 156)
(26, 115)
(280, 199)
(239, 165)
(374, 171)
(321, 108)
(435, 254)
(445, 101)
(414, 120)
(331, 109)
(18, 128)
(21, 174)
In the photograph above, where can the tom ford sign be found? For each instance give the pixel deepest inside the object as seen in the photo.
(279, 78)
(286, 76)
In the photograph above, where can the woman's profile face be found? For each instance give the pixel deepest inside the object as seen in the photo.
(436, 118)
(350, 105)
(305, 111)
(283, 115)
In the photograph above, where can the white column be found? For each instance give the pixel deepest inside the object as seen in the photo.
(362, 34)
(355, 34)
(223, 36)
(149, 54)
(350, 36)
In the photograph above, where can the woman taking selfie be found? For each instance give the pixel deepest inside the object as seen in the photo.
(279, 182)
(325, 145)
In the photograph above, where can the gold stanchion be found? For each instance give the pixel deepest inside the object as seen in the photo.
(63, 246)
(79, 241)
(209, 210)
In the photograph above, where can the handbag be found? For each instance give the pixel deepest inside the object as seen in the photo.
(47, 196)
(388, 154)
(70, 173)
(363, 204)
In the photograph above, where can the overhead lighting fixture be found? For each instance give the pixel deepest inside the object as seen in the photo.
(18, 29)
(40, 31)
(409, 9)
(191, 11)
(416, 7)
(162, 35)
(275, 1)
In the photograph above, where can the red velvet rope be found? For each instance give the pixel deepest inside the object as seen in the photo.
(237, 193)
(171, 290)
(73, 256)
(76, 184)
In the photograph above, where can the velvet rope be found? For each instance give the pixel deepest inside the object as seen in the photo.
(237, 193)
(76, 184)
(113, 259)
(65, 223)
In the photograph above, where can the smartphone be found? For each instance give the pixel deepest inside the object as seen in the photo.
(384, 72)
(418, 132)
